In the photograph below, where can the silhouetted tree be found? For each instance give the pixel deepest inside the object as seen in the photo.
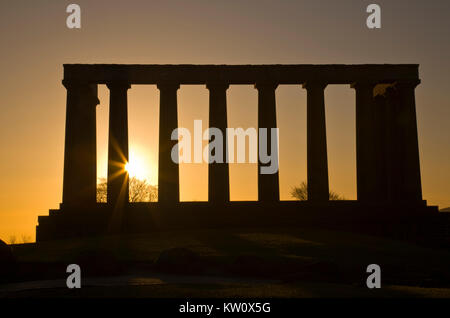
(102, 190)
(152, 193)
(140, 191)
(301, 193)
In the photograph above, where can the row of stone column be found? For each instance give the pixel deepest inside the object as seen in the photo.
(218, 173)
(386, 143)
(388, 166)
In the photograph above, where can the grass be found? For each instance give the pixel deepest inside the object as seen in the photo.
(345, 248)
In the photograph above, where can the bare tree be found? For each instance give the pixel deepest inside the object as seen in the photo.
(152, 193)
(301, 193)
(102, 190)
(140, 191)
(334, 196)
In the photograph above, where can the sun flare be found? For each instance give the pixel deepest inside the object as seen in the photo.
(136, 168)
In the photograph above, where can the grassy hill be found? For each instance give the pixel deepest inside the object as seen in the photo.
(286, 259)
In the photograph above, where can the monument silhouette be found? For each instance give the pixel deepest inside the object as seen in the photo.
(388, 168)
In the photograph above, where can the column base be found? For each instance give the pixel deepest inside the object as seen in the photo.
(147, 217)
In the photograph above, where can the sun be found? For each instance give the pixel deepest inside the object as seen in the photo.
(136, 168)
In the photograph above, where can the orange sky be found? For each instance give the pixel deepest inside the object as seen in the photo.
(35, 42)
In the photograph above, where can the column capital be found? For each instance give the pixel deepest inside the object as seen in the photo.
(84, 88)
(118, 85)
(314, 84)
(216, 85)
(168, 85)
(70, 84)
(266, 85)
(73, 84)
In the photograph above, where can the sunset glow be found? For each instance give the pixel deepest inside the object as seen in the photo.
(136, 167)
(34, 100)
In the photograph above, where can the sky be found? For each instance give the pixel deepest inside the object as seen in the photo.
(35, 43)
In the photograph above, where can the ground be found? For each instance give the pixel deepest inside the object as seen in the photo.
(283, 262)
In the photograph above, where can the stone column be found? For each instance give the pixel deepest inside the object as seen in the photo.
(80, 156)
(218, 173)
(317, 161)
(168, 170)
(268, 184)
(118, 181)
(382, 148)
(407, 168)
(365, 142)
